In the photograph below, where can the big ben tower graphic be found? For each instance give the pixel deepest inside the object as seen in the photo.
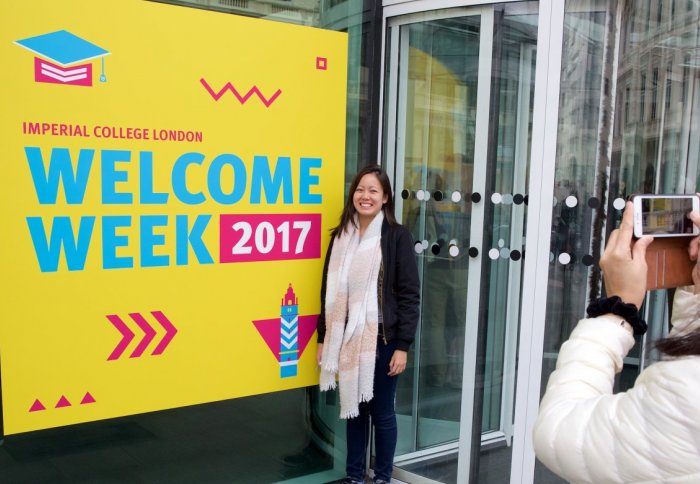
(289, 334)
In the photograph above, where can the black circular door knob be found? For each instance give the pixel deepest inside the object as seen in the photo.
(473, 252)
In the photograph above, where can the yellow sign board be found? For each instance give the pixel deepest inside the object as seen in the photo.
(169, 179)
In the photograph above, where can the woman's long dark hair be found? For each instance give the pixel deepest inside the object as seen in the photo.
(348, 215)
(683, 345)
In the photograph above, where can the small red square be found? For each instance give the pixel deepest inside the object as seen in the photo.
(321, 63)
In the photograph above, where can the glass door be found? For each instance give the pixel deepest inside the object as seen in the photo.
(457, 124)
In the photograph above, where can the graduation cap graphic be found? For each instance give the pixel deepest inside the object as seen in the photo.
(71, 58)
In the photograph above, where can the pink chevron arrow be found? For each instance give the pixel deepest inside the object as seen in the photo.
(149, 332)
(170, 332)
(127, 336)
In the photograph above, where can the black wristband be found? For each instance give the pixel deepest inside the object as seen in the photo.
(614, 305)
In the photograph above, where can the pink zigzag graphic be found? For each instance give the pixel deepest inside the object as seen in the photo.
(241, 99)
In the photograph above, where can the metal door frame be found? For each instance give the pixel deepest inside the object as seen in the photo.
(539, 221)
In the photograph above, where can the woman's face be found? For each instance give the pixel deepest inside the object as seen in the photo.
(369, 197)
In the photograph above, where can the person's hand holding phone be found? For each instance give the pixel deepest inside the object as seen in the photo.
(623, 263)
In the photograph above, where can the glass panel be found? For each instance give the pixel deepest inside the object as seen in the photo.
(440, 115)
(647, 144)
(513, 81)
(436, 168)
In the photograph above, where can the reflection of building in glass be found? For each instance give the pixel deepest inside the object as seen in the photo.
(654, 96)
(628, 114)
(304, 12)
(656, 89)
(628, 94)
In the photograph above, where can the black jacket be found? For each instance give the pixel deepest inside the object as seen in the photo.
(398, 291)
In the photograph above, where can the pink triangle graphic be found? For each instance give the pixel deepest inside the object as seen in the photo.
(63, 402)
(37, 406)
(87, 399)
(270, 329)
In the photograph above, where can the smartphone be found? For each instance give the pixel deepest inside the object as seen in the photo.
(664, 215)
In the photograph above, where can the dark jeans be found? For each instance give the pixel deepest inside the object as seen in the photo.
(381, 409)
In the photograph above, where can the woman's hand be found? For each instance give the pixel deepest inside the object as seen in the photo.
(623, 263)
(319, 354)
(398, 362)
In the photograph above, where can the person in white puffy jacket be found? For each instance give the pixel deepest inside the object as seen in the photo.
(650, 433)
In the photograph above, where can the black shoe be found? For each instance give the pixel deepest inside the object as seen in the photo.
(380, 481)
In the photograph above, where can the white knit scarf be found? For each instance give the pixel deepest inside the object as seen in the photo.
(350, 344)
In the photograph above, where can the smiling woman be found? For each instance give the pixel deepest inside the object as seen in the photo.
(370, 300)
